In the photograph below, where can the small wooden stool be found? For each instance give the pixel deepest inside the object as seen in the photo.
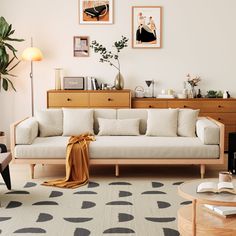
(5, 159)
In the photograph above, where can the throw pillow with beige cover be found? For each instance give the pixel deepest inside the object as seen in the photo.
(187, 122)
(77, 121)
(127, 127)
(162, 122)
(50, 122)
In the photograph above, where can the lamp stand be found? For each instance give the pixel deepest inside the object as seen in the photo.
(32, 88)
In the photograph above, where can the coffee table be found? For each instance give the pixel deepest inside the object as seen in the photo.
(195, 219)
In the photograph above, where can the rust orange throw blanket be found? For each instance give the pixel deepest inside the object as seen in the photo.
(77, 163)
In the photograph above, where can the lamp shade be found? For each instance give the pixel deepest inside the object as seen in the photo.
(32, 54)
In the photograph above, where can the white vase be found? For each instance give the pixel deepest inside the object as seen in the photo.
(119, 81)
(58, 77)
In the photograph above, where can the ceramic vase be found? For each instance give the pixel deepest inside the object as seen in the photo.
(58, 77)
(119, 81)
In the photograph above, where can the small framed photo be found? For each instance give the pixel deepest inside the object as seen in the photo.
(81, 46)
(96, 12)
(146, 26)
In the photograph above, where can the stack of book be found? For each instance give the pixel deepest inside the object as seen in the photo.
(91, 83)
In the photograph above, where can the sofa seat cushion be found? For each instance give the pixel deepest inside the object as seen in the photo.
(123, 147)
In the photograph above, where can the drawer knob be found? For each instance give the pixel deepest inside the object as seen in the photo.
(219, 106)
(68, 99)
(109, 99)
(150, 106)
(185, 106)
(219, 118)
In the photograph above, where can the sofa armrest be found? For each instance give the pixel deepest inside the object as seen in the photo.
(25, 131)
(208, 131)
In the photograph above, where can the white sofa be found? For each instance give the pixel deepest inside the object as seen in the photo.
(43, 139)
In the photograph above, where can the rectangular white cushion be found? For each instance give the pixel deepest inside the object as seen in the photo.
(207, 131)
(102, 113)
(27, 131)
(77, 121)
(140, 114)
(162, 122)
(50, 122)
(123, 147)
(187, 122)
(118, 126)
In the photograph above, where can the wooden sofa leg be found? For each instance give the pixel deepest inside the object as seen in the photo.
(117, 170)
(32, 170)
(202, 170)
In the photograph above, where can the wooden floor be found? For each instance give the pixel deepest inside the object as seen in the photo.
(22, 171)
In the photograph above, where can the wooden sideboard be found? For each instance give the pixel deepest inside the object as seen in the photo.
(223, 110)
(89, 98)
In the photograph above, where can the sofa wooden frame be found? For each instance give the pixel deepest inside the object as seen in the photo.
(118, 161)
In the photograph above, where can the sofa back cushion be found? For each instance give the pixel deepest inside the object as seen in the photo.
(125, 127)
(102, 113)
(187, 119)
(77, 121)
(162, 122)
(50, 122)
(140, 114)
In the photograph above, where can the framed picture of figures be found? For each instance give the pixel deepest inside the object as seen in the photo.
(146, 26)
(96, 12)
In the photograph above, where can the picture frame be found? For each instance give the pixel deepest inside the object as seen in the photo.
(96, 12)
(81, 46)
(147, 27)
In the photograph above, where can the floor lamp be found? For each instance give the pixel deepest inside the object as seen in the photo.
(32, 54)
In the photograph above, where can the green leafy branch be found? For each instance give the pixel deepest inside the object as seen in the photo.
(107, 56)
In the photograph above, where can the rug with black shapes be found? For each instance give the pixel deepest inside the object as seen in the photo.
(105, 206)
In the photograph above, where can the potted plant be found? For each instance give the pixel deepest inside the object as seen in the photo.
(112, 58)
(7, 54)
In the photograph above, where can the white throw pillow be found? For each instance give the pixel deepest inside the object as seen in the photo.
(162, 122)
(127, 127)
(50, 122)
(77, 121)
(187, 119)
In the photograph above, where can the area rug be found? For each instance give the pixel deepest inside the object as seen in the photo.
(109, 206)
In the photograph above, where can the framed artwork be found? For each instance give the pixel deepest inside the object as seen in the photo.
(146, 26)
(96, 12)
(81, 46)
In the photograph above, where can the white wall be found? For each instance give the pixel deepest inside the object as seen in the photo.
(199, 37)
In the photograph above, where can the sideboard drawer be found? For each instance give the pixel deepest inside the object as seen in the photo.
(205, 106)
(225, 118)
(68, 100)
(109, 99)
(149, 104)
(185, 104)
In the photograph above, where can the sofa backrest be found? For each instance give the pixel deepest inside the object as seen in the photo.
(141, 114)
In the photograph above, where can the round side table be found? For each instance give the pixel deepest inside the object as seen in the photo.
(195, 219)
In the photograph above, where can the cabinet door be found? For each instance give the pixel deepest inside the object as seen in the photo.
(109, 99)
(68, 100)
